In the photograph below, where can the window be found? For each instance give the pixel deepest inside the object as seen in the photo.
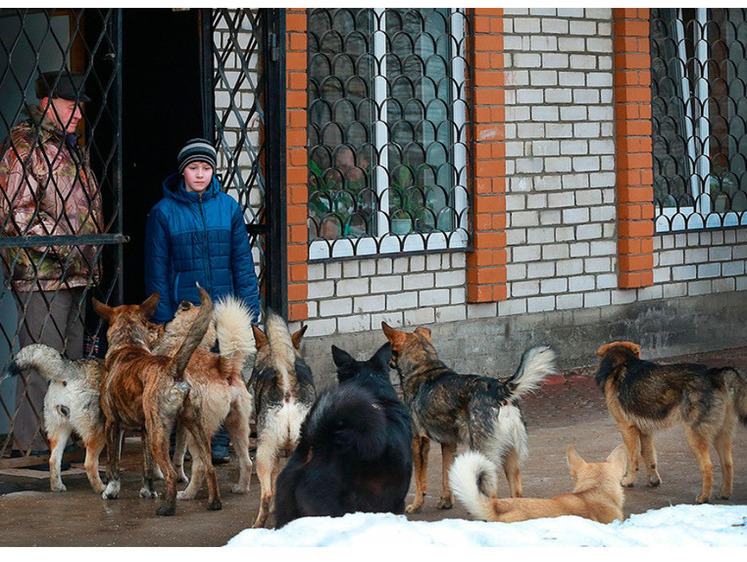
(699, 92)
(388, 121)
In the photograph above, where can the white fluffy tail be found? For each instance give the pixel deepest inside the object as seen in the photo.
(233, 326)
(474, 481)
(46, 360)
(536, 364)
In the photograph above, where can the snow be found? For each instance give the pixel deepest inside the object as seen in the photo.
(681, 527)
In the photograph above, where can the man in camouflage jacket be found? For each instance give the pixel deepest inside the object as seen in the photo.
(47, 189)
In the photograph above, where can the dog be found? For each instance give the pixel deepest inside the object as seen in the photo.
(142, 391)
(597, 495)
(355, 452)
(284, 392)
(453, 409)
(643, 397)
(71, 405)
(216, 383)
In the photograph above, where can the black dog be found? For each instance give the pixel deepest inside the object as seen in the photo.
(355, 452)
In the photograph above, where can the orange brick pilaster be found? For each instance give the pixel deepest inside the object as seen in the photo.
(486, 264)
(297, 162)
(635, 192)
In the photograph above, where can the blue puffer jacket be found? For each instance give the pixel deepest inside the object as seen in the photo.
(195, 238)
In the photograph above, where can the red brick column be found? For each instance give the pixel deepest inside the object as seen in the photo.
(486, 264)
(297, 162)
(635, 192)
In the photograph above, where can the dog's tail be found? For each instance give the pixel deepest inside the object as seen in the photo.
(46, 360)
(474, 481)
(736, 385)
(192, 341)
(536, 364)
(346, 422)
(233, 321)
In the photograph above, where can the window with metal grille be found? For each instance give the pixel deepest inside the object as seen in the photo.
(699, 112)
(388, 115)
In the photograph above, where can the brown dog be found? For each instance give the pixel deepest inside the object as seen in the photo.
(643, 397)
(141, 391)
(217, 384)
(597, 495)
(452, 409)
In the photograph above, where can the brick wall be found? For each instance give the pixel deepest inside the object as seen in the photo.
(560, 152)
(570, 199)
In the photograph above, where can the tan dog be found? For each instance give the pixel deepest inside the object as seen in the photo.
(453, 409)
(644, 397)
(142, 391)
(216, 383)
(597, 495)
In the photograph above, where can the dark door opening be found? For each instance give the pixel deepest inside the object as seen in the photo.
(162, 109)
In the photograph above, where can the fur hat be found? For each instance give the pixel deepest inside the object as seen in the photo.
(197, 150)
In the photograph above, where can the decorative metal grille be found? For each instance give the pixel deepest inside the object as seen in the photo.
(244, 92)
(63, 41)
(699, 111)
(388, 130)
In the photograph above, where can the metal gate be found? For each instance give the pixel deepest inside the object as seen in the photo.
(243, 103)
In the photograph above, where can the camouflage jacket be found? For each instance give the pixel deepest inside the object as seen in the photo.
(47, 189)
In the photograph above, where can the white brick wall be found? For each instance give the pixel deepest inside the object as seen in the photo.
(560, 200)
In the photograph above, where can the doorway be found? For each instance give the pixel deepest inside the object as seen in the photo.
(162, 109)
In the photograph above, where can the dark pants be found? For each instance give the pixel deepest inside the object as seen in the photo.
(55, 319)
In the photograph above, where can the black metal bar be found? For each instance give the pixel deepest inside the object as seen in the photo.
(273, 53)
(120, 237)
(62, 240)
(208, 85)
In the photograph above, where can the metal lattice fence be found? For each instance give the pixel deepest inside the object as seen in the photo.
(699, 113)
(245, 45)
(388, 130)
(60, 196)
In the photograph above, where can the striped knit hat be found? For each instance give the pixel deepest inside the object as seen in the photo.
(197, 150)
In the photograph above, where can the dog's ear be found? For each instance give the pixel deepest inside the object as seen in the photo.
(424, 331)
(575, 462)
(634, 347)
(395, 337)
(602, 350)
(260, 339)
(340, 357)
(148, 306)
(383, 355)
(298, 336)
(104, 311)
(619, 458)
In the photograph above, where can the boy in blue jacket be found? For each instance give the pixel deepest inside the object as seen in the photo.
(196, 234)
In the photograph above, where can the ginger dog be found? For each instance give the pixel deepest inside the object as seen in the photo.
(598, 494)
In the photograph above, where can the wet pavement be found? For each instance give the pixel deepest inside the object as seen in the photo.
(568, 409)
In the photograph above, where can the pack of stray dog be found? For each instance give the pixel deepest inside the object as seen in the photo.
(356, 446)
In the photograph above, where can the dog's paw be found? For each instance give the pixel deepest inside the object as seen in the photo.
(146, 493)
(413, 507)
(701, 498)
(111, 492)
(215, 506)
(58, 487)
(445, 503)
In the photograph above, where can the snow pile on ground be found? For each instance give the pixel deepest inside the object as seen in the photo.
(680, 526)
